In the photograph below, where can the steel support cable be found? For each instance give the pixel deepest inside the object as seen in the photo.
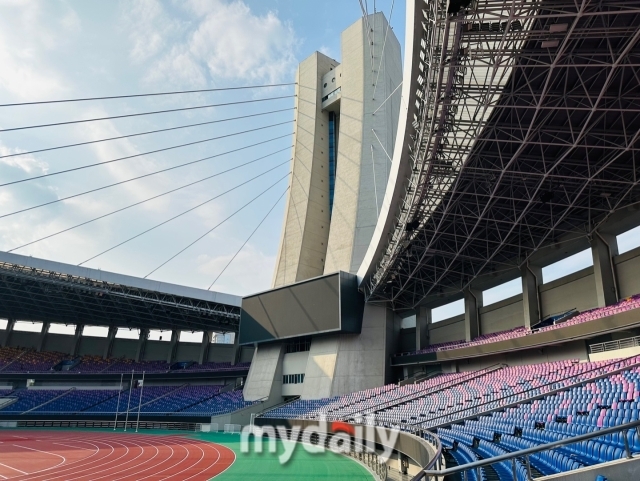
(180, 215)
(87, 166)
(154, 173)
(135, 204)
(384, 43)
(55, 124)
(248, 239)
(176, 92)
(219, 224)
(146, 133)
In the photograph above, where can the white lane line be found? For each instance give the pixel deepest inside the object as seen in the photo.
(15, 469)
(64, 460)
(188, 467)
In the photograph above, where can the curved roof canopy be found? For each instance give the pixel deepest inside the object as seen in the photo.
(525, 130)
(40, 290)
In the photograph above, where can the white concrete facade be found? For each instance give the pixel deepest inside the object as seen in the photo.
(362, 93)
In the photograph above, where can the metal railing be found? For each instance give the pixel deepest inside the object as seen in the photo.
(430, 474)
(615, 345)
(93, 424)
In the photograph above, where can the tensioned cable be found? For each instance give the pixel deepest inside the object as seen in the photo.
(133, 205)
(219, 224)
(144, 153)
(248, 239)
(177, 92)
(148, 175)
(55, 124)
(146, 133)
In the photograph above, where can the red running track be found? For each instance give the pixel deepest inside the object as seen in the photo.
(76, 455)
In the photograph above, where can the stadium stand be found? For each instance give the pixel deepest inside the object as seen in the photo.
(627, 304)
(502, 410)
(21, 360)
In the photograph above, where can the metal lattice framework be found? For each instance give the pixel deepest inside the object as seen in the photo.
(526, 129)
(41, 295)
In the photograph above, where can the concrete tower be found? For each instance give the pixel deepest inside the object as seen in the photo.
(346, 121)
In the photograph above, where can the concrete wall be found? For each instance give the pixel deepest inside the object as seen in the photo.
(570, 350)
(576, 290)
(407, 340)
(92, 346)
(58, 342)
(501, 316)
(363, 159)
(221, 353)
(265, 374)
(627, 266)
(124, 348)
(24, 339)
(305, 229)
(294, 363)
(321, 365)
(188, 351)
(448, 330)
(363, 359)
(156, 350)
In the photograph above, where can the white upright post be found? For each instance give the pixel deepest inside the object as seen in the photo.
(126, 419)
(140, 402)
(115, 423)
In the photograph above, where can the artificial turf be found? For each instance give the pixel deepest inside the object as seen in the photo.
(302, 465)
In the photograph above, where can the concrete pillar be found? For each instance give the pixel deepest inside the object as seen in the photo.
(43, 335)
(236, 349)
(76, 340)
(111, 335)
(603, 248)
(173, 345)
(8, 331)
(423, 320)
(142, 344)
(472, 304)
(531, 277)
(204, 347)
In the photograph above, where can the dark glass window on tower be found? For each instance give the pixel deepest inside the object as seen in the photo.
(332, 158)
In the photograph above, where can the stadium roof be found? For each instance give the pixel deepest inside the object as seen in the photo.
(40, 290)
(526, 123)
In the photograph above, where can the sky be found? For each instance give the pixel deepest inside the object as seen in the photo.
(66, 49)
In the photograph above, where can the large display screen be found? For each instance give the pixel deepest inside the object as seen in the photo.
(324, 304)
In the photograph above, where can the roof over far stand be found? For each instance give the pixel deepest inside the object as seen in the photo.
(41, 290)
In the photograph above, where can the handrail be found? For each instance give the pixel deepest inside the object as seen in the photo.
(449, 416)
(426, 474)
(615, 345)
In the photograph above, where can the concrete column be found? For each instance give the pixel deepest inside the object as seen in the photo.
(472, 303)
(204, 347)
(142, 344)
(43, 335)
(8, 331)
(111, 335)
(423, 320)
(76, 340)
(603, 248)
(173, 346)
(531, 277)
(236, 350)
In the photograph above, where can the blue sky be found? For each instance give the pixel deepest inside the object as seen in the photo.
(71, 49)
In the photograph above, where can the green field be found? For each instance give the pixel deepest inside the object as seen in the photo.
(302, 465)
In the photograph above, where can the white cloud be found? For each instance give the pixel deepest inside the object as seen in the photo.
(225, 41)
(249, 272)
(27, 163)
